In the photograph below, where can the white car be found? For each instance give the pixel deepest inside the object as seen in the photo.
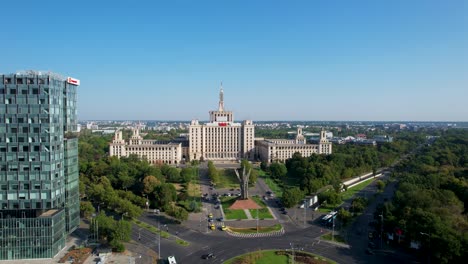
(171, 260)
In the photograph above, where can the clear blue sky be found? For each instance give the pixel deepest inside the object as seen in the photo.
(278, 60)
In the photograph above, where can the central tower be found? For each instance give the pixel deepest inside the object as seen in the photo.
(221, 138)
(221, 115)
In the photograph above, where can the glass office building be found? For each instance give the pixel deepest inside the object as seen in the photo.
(39, 195)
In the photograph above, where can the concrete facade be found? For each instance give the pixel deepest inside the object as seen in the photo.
(153, 151)
(221, 138)
(271, 150)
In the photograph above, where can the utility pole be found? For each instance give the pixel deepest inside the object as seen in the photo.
(292, 250)
(381, 230)
(257, 220)
(305, 212)
(159, 241)
(429, 246)
(333, 228)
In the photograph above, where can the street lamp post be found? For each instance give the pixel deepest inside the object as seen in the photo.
(257, 220)
(381, 230)
(292, 250)
(333, 228)
(428, 247)
(305, 212)
(159, 241)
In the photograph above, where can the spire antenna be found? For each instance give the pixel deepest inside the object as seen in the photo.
(221, 98)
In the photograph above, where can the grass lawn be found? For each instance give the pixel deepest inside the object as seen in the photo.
(151, 228)
(274, 186)
(260, 173)
(234, 214)
(259, 201)
(193, 190)
(182, 242)
(226, 202)
(227, 179)
(253, 230)
(353, 190)
(270, 257)
(337, 238)
(327, 208)
(263, 257)
(263, 213)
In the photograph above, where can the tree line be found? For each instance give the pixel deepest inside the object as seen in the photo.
(430, 204)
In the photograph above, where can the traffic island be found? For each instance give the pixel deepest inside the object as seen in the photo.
(279, 257)
(261, 231)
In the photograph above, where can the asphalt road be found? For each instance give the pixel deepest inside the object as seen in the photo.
(223, 246)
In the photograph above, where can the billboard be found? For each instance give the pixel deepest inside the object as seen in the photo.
(74, 81)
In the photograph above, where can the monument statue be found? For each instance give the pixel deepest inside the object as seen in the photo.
(244, 183)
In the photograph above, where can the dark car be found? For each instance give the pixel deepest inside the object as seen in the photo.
(208, 256)
(371, 245)
(369, 251)
(284, 212)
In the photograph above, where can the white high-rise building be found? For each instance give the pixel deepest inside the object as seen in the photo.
(221, 138)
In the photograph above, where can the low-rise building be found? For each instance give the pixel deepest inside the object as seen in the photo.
(154, 151)
(271, 150)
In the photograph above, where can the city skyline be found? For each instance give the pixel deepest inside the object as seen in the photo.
(359, 61)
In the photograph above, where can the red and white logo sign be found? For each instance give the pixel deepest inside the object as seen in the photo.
(73, 81)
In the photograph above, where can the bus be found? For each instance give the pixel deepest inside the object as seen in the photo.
(329, 217)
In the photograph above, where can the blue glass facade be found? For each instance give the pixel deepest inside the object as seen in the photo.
(39, 195)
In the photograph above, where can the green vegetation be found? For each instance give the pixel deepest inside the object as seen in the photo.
(151, 228)
(292, 197)
(124, 185)
(182, 242)
(259, 257)
(226, 202)
(263, 213)
(274, 186)
(114, 232)
(234, 214)
(227, 179)
(261, 229)
(336, 238)
(355, 189)
(431, 200)
(278, 257)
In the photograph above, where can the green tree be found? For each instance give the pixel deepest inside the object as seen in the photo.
(292, 196)
(278, 170)
(87, 208)
(149, 183)
(380, 185)
(165, 194)
(344, 216)
(187, 174)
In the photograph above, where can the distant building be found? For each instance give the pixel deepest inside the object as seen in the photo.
(154, 151)
(221, 138)
(383, 139)
(271, 150)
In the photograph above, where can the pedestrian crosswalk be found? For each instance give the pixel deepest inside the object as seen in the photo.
(255, 235)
